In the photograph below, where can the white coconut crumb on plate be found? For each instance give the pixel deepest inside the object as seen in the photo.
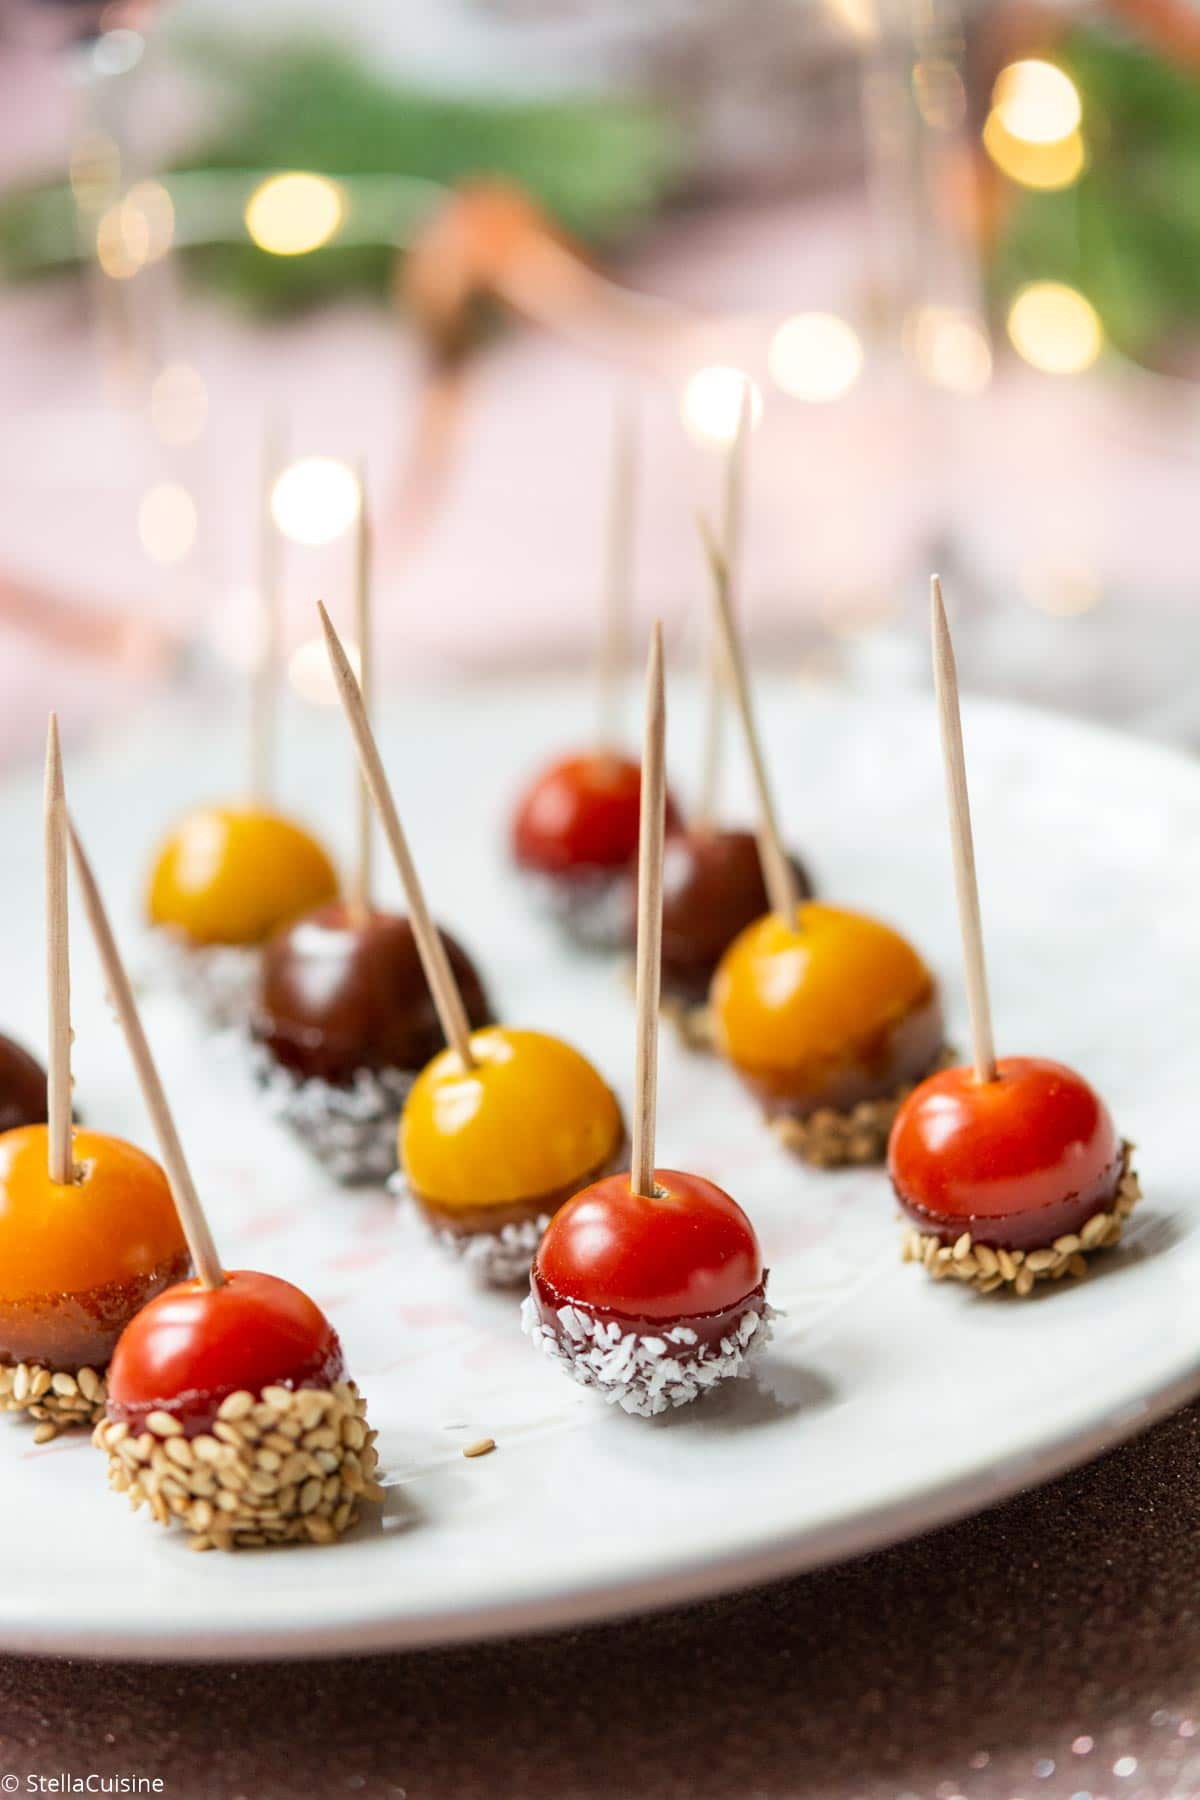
(643, 1372)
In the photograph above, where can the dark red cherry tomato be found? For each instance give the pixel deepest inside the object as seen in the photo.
(1018, 1161)
(689, 1251)
(582, 815)
(193, 1345)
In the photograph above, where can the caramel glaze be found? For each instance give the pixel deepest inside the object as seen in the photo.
(470, 1221)
(22, 1087)
(712, 889)
(709, 1328)
(897, 1057)
(80, 1330)
(339, 993)
(1035, 1229)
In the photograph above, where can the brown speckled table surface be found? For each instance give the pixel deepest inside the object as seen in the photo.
(1048, 1650)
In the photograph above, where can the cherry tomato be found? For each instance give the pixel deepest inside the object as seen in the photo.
(1018, 1161)
(235, 874)
(78, 1259)
(194, 1345)
(689, 1251)
(22, 1087)
(582, 815)
(712, 889)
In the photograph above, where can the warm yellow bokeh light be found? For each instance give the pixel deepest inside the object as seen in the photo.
(167, 522)
(1064, 586)
(1054, 328)
(950, 347)
(310, 674)
(149, 208)
(815, 356)
(1034, 165)
(289, 215)
(178, 403)
(122, 241)
(712, 403)
(939, 92)
(1036, 101)
(315, 500)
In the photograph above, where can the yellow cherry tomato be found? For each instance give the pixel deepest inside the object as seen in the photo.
(532, 1118)
(826, 1010)
(235, 874)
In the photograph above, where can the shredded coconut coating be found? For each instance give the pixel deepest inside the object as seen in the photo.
(219, 980)
(643, 1372)
(595, 909)
(350, 1130)
(499, 1259)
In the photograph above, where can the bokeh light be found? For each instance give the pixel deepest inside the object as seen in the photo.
(315, 500)
(1034, 164)
(310, 674)
(1036, 101)
(712, 401)
(167, 522)
(178, 403)
(950, 347)
(815, 356)
(1054, 328)
(290, 215)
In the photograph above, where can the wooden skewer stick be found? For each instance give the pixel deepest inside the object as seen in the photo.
(651, 832)
(446, 996)
(618, 573)
(945, 681)
(264, 681)
(360, 897)
(716, 679)
(61, 1160)
(779, 877)
(205, 1260)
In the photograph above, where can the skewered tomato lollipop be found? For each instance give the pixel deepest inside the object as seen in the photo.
(649, 1286)
(22, 1087)
(489, 1152)
(226, 879)
(575, 836)
(829, 1020)
(344, 1021)
(1011, 1180)
(1011, 1170)
(713, 888)
(77, 1261)
(229, 1409)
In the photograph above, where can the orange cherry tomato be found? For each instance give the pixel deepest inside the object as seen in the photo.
(581, 816)
(193, 1346)
(688, 1252)
(235, 874)
(532, 1119)
(1017, 1161)
(834, 1009)
(77, 1260)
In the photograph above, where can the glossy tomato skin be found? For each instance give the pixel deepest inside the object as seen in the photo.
(1017, 1161)
(580, 817)
(713, 888)
(193, 1346)
(689, 1253)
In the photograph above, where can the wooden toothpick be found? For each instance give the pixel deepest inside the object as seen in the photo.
(618, 573)
(205, 1260)
(779, 877)
(649, 921)
(264, 680)
(58, 965)
(360, 896)
(945, 681)
(715, 673)
(446, 996)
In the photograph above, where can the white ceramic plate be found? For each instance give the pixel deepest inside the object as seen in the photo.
(885, 1404)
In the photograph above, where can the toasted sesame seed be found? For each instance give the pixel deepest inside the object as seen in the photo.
(482, 1447)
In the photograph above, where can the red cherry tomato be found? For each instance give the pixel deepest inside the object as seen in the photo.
(689, 1251)
(582, 815)
(1019, 1160)
(193, 1345)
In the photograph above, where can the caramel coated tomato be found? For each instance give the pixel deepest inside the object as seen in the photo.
(687, 1252)
(235, 874)
(532, 1118)
(828, 1011)
(78, 1259)
(1017, 1161)
(582, 816)
(194, 1345)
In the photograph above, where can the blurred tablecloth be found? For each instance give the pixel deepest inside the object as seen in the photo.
(1047, 1650)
